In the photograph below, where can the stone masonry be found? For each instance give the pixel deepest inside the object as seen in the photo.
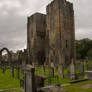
(36, 38)
(51, 38)
(60, 33)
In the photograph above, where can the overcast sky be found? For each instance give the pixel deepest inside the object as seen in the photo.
(13, 19)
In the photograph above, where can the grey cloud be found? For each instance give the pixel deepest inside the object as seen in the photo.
(13, 20)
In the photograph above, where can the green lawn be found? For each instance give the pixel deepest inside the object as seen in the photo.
(79, 87)
(15, 90)
(71, 88)
(6, 81)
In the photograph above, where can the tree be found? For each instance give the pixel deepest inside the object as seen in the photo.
(82, 48)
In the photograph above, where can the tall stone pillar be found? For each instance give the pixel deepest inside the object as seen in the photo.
(29, 82)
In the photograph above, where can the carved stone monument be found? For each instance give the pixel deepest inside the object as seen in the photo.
(29, 79)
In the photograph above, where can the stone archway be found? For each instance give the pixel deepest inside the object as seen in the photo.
(9, 54)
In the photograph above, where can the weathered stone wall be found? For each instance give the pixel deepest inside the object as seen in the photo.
(60, 32)
(36, 38)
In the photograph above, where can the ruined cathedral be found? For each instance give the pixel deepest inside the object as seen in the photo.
(51, 37)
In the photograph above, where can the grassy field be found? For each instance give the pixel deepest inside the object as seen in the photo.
(15, 90)
(80, 87)
(6, 81)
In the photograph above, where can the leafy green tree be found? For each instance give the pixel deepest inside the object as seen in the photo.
(82, 48)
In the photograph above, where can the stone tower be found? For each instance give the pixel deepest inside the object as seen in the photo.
(36, 29)
(60, 35)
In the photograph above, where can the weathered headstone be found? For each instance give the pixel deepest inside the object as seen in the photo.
(43, 70)
(29, 80)
(3, 68)
(81, 68)
(22, 71)
(12, 71)
(60, 71)
(72, 70)
(88, 75)
(18, 70)
(51, 70)
(89, 67)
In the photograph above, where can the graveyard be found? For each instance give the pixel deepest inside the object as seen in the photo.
(53, 61)
(14, 84)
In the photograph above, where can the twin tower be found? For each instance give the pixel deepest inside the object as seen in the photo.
(51, 37)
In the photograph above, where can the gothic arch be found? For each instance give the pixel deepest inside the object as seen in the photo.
(9, 54)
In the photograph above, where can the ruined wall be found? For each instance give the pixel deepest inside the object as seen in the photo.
(60, 32)
(36, 38)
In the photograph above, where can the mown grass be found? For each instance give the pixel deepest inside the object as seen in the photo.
(6, 81)
(15, 90)
(78, 87)
(70, 88)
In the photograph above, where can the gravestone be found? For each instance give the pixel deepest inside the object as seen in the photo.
(22, 71)
(43, 70)
(89, 67)
(81, 68)
(51, 70)
(12, 71)
(18, 70)
(72, 70)
(88, 73)
(29, 79)
(3, 68)
(60, 71)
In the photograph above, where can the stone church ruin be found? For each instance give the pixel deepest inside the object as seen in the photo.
(51, 37)
(50, 42)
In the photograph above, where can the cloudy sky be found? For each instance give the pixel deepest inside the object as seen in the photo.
(13, 19)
